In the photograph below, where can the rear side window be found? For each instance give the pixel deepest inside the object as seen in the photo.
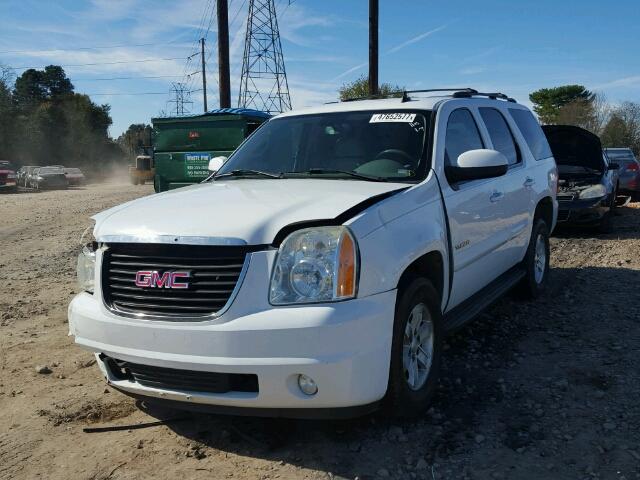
(500, 134)
(462, 135)
(532, 133)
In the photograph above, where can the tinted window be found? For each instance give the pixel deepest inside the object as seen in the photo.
(500, 134)
(462, 135)
(532, 133)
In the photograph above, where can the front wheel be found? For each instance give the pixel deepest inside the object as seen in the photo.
(416, 349)
(536, 261)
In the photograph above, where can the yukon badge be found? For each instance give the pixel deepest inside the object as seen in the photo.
(463, 244)
(153, 279)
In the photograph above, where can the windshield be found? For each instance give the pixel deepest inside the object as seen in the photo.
(6, 166)
(75, 171)
(50, 170)
(386, 145)
(620, 154)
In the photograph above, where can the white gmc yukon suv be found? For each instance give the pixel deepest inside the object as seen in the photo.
(317, 272)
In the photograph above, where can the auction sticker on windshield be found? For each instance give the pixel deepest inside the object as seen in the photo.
(392, 117)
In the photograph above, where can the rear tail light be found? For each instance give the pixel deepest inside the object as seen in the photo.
(633, 167)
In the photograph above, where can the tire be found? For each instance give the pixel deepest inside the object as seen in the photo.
(134, 181)
(535, 279)
(407, 395)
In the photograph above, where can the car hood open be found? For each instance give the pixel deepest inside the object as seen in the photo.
(575, 146)
(248, 211)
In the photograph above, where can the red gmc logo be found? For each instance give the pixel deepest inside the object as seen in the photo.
(153, 279)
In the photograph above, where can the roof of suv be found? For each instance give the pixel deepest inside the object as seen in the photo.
(411, 102)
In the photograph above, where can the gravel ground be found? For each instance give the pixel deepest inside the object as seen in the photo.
(530, 390)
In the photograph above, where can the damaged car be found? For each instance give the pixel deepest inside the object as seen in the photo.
(587, 185)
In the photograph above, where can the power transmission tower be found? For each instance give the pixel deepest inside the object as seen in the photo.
(263, 84)
(181, 98)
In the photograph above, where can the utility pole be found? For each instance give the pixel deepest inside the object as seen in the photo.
(373, 47)
(223, 54)
(204, 75)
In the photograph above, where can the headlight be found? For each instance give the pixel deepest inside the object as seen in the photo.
(593, 192)
(315, 265)
(86, 267)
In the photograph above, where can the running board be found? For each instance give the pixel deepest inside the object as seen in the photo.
(476, 304)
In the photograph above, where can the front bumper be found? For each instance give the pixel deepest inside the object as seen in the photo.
(583, 212)
(345, 347)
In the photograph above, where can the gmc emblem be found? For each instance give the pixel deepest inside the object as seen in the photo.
(153, 279)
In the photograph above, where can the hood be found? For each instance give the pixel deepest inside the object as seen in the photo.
(239, 210)
(574, 147)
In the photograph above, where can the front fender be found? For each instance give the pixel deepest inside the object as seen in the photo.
(387, 251)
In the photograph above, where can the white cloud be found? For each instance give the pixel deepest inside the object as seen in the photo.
(417, 38)
(632, 81)
(472, 70)
(349, 71)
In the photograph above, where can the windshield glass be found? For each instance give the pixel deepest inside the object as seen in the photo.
(388, 145)
(620, 154)
(75, 171)
(50, 170)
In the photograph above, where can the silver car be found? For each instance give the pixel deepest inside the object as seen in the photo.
(628, 171)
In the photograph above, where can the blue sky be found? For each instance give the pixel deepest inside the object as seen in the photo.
(510, 46)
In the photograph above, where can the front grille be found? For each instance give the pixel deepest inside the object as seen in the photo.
(213, 275)
(565, 197)
(182, 380)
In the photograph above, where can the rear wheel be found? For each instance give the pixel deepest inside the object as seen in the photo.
(416, 349)
(536, 261)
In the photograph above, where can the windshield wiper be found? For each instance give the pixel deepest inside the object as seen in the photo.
(243, 172)
(351, 173)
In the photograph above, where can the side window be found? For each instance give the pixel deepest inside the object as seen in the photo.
(462, 135)
(500, 134)
(532, 133)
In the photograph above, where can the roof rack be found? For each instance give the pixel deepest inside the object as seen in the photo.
(461, 93)
(464, 92)
(493, 96)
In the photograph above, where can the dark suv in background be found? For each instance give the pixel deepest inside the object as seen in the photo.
(629, 171)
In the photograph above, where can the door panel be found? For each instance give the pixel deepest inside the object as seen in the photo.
(476, 211)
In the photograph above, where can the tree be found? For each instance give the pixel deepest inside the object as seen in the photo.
(43, 122)
(623, 127)
(6, 112)
(360, 89)
(34, 87)
(136, 140)
(548, 102)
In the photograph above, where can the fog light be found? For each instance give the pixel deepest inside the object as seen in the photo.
(307, 385)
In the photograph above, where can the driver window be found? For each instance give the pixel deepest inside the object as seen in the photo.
(461, 136)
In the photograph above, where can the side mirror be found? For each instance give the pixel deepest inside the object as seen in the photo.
(216, 163)
(614, 166)
(477, 164)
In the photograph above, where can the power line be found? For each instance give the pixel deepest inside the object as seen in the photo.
(100, 63)
(93, 48)
(127, 78)
(128, 94)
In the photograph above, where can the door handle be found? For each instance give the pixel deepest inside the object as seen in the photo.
(529, 182)
(496, 196)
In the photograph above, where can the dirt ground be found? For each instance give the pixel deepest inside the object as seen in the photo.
(544, 390)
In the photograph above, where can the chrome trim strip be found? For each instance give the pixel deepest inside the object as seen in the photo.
(172, 240)
(182, 318)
